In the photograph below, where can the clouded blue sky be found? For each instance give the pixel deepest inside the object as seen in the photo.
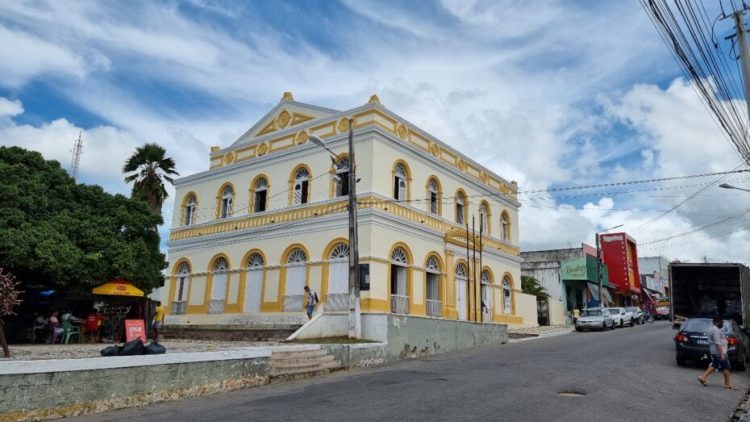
(548, 93)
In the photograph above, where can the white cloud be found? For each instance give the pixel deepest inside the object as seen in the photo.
(10, 108)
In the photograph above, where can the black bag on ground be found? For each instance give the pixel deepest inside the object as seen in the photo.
(154, 349)
(111, 351)
(134, 347)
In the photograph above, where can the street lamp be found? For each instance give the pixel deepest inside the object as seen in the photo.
(599, 263)
(355, 327)
(728, 186)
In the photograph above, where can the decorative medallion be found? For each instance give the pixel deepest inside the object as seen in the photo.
(484, 177)
(228, 158)
(434, 149)
(461, 164)
(301, 138)
(283, 119)
(343, 125)
(402, 131)
(262, 149)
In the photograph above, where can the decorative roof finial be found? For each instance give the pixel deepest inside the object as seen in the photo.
(374, 99)
(287, 96)
(214, 148)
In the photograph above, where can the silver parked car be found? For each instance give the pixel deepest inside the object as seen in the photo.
(621, 317)
(639, 317)
(595, 319)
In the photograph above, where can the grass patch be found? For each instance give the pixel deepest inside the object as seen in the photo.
(331, 340)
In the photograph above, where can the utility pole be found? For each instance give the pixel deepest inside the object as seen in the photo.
(739, 23)
(355, 327)
(474, 266)
(599, 271)
(77, 147)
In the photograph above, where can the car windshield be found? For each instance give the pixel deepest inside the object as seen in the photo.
(632, 309)
(592, 312)
(614, 311)
(701, 325)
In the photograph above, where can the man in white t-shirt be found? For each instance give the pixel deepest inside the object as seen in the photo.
(312, 300)
(717, 347)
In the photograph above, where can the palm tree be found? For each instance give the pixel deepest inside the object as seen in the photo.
(531, 286)
(149, 169)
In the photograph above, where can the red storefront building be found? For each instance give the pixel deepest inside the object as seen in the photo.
(620, 254)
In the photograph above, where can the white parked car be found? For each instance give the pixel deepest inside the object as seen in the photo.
(621, 316)
(594, 319)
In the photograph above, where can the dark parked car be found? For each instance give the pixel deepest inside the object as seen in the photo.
(691, 342)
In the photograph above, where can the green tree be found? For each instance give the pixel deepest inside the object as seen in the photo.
(10, 297)
(149, 168)
(69, 235)
(531, 286)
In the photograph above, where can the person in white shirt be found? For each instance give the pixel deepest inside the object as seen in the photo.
(312, 300)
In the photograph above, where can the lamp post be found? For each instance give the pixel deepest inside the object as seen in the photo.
(728, 186)
(355, 327)
(599, 263)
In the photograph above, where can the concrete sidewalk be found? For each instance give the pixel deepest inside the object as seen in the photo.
(542, 331)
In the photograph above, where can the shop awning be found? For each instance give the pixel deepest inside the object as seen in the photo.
(118, 287)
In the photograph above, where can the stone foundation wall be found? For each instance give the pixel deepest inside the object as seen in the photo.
(52, 394)
(362, 355)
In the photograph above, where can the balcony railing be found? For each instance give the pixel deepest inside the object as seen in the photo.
(399, 304)
(434, 308)
(178, 308)
(337, 302)
(216, 306)
(294, 303)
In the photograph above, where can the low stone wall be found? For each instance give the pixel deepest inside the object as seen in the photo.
(556, 312)
(416, 336)
(361, 355)
(526, 308)
(34, 390)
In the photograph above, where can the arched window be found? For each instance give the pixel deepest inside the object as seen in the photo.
(507, 297)
(342, 177)
(486, 296)
(462, 276)
(189, 217)
(399, 268)
(505, 221)
(337, 294)
(296, 277)
(484, 212)
(260, 195)
(460, 208)
(301, 186)
(434, 196)
(182, 287)
(219, 280)
(227, 197)
(253, 283)
(399, 183)
(432, 285)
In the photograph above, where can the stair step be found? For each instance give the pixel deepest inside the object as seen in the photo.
(283, 371)
(304, 359)
(298, 354)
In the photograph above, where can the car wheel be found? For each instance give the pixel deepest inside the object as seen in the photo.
(622, 323)
(612, 327)
(739, 365)
(604, 325)
(579, 329)
(632, 323)
(681, 361)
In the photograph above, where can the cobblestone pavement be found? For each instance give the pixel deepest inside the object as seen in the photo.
(539, 331)
(83, 351)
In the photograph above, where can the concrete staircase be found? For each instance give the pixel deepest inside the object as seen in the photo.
(296, 362)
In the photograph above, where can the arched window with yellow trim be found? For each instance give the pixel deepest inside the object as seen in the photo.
(434, 196)
(399, 279)
(507, 296)
(301, 186)
(260, 195)
(505, 226)
(461, 206)
(461, 274)
(341, 176)
(487, 294)
(219, 279)
(484, 218)
(400, 185)
(189, 207)
(226, 202)
(432, 286)
(181, 288)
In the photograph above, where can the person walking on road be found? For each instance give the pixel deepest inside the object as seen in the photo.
(576, 315)
(717, 344)
(312, 300)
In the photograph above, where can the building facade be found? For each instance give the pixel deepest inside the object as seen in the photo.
(620, 253)
(269, 216)
(655, 275)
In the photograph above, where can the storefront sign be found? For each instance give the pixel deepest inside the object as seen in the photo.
(135, 328)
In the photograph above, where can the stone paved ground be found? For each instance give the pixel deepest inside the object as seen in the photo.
(82, 351)
(539, 331)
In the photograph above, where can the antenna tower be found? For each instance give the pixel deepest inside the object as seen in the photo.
(77, 147)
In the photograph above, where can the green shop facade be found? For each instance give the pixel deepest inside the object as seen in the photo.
(580, 282)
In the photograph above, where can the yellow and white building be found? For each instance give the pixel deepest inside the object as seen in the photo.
(269, 216)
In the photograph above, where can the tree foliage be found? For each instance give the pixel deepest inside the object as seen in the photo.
(72, 235)
(149, 168)
(10, 297)
(531, 286)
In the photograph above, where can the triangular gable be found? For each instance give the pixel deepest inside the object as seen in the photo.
(286, 114)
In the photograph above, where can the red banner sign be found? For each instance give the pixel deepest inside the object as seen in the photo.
(135, 328)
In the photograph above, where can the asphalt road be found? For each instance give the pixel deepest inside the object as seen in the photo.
(625, 375)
